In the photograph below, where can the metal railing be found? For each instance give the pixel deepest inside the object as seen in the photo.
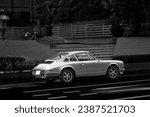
(95, 29)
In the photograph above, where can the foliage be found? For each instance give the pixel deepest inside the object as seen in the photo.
(117, 28)
(126, 16)
(12, 64)
(130, 13)
(27, 65)
(62, 11)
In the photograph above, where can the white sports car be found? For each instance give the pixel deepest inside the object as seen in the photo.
(68, 65)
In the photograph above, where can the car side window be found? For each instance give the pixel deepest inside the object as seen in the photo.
(70, 58)
(84, 57)
(73, 59)
(91, 56)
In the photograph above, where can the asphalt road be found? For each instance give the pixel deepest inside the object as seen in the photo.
(131, 87)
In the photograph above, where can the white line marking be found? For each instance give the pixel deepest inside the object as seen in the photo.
(72, 91)
(118, 87)
(88, 94)
(134, 97)
(20, 84)
(5, 88)
(84, 86)
(24, 86)
(60, 97)
(133, 89)
(40, 95)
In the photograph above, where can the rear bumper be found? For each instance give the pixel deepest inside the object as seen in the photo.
(54, 75)
(45, 76)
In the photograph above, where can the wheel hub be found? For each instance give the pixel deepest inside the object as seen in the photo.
(67, 76)
(113, 73)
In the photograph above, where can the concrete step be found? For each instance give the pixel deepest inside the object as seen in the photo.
(91, 50)
(88, 49)
(95, 52)
(98, 50)
(101, 51)
(108, 57)
(65, 45)
(104, 53)
(59, 40)
(104, 57)
(51, 39)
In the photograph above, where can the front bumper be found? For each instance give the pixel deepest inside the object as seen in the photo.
(122, 71)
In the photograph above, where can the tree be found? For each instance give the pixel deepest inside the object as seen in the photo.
(129, 12)
(64, 11)
(40, 10)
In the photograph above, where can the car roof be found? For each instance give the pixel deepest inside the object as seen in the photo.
(73, 52)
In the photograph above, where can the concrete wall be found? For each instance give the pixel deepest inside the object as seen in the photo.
(132, 46)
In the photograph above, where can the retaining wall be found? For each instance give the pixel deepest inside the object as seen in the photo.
(26, 48)
(132, 46)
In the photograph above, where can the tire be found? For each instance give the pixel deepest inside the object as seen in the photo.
(67, 75)
(113, 72)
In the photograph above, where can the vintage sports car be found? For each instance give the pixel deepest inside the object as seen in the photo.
(69, 65)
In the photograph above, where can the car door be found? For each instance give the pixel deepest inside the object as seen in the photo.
(90, 66)
(72, 61)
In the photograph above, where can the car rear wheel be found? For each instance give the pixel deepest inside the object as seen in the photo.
(67, 75)
(113, 72)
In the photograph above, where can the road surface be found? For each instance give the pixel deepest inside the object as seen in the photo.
(127, 87)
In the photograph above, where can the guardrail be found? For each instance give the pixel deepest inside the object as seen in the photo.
(83, 30)
(17, 33)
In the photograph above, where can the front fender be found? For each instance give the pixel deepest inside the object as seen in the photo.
(119, 65)
(113, 64)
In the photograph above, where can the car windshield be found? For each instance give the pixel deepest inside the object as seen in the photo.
(58, 56)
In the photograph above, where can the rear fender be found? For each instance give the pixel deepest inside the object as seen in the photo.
(67, 66)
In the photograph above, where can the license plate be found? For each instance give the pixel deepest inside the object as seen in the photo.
(37, 73)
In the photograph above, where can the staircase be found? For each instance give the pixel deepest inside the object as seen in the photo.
(97, 48)
(51, 39)
(99, 51)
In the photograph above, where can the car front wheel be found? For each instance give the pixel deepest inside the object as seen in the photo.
(67, 75)
(113, 72)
